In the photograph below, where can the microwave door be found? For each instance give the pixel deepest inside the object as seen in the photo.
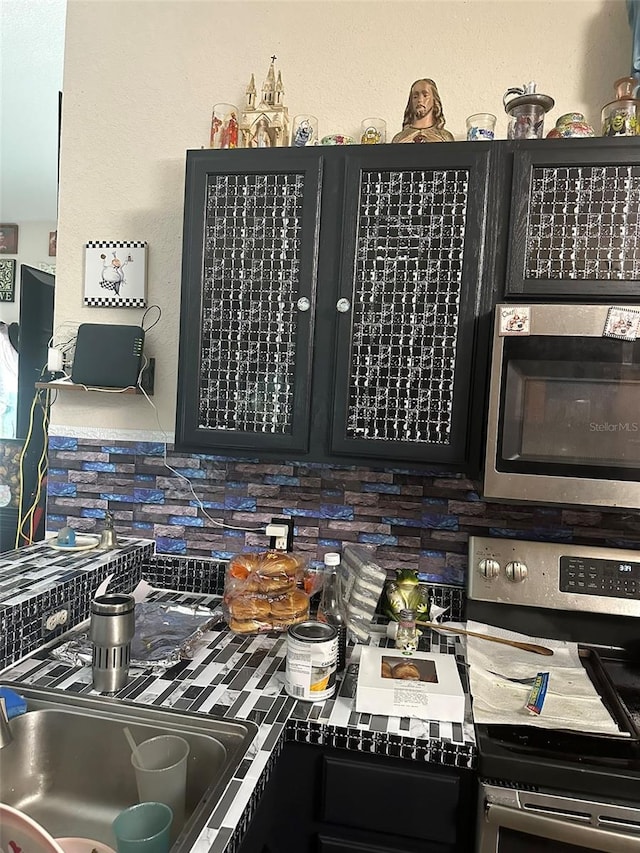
(570, 413)
(564, 419)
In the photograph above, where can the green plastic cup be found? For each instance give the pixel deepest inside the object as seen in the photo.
(144, 828)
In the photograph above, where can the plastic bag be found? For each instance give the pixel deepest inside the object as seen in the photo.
(265, 592)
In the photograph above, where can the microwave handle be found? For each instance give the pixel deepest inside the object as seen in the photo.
(568, 832)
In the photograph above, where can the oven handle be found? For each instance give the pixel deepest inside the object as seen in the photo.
(568, 832)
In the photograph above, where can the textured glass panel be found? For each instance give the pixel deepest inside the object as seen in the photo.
(584, 223)
(250, 287)
(407, 283)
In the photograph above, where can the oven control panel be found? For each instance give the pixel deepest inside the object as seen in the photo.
(559, 576)
(592, 576)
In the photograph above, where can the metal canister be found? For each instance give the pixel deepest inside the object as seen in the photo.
(312, 656)
(112, 627)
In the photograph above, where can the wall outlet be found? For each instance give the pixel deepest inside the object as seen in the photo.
(281, 532)
(55, 619)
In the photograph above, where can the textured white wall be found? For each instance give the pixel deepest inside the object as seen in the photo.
(140, 79)
(31, 51)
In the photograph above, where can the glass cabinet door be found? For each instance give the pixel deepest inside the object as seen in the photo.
(410, 288)
(575, 220)
(249, 277)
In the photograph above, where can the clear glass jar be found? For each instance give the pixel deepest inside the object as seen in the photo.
(407, 635)
(622, 116)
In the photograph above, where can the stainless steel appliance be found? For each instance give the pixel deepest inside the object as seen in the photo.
(557, 791)
(564, 407)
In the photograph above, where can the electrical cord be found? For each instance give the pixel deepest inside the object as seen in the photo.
(41, 468)
(155, 322)
(165, 442)
(188, 481)
(41, 475)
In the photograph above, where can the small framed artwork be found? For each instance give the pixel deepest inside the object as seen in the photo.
(115, 274)
(53, 239)
(7, 279)
(9, 238)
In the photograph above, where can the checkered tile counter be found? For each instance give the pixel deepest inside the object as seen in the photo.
(243, 678)
(40, 580)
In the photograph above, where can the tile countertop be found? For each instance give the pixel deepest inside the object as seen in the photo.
(243, 678)
(39, 581)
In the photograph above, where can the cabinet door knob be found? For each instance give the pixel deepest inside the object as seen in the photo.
(343, 305)
(303, 304)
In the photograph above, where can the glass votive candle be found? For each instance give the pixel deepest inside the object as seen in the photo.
(481, 126)
(373, 131)
(304, 130)
(224, 126)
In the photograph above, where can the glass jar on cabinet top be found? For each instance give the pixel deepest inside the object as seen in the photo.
(622, 116)
(373, 131)
(571, 126)
(526, 111)
(304, 130)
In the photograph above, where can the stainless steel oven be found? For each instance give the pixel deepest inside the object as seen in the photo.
(514, 821)
(564, 407)
(549, 789)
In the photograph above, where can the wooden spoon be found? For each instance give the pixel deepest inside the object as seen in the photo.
(527, 647)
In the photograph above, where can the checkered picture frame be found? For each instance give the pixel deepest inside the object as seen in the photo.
(115, 274)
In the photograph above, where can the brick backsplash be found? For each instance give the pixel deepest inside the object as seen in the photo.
(410, 518)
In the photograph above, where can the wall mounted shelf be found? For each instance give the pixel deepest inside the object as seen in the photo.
(147, 380)
(71, 386)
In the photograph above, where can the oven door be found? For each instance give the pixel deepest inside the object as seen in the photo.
(564, 410)
(513, 821)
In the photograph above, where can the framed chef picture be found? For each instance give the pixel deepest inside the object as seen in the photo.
(115, 274)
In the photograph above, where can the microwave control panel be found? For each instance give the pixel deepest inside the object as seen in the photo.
(619, 579)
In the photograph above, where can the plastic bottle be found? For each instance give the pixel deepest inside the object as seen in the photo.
(329, 608)
(407, 635)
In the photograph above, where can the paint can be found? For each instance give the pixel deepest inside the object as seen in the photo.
(312, 657)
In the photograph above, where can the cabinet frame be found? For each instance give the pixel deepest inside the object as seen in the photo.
(323, 344)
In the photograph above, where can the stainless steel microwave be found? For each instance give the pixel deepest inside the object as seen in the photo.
(564, 405)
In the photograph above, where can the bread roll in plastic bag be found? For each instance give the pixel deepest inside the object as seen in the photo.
(263, 592)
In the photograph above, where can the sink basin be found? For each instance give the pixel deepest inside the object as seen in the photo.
(69, 764)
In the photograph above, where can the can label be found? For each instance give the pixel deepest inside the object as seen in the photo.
(312, 655)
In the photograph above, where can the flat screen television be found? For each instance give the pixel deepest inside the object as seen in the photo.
(36, 329)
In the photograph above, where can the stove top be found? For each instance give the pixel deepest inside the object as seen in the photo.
(555, 760)
(597, 765)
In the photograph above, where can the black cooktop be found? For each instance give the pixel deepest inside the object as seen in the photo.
(570, 762)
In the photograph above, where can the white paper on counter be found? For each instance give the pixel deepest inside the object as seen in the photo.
(572, 702)
(140, 593)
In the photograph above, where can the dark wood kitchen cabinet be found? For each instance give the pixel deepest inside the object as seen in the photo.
(336, 302)
(325, 800)
(575, 220)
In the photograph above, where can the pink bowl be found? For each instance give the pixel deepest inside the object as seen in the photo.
(83, 845)
(21, 834)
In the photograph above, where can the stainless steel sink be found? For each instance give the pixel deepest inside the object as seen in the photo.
(69, 764)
